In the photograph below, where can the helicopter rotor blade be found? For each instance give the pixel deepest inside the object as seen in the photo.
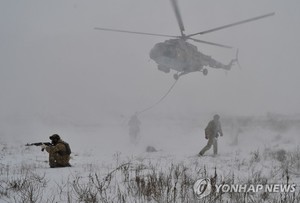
(178, 16)
(233, 24)
(133, 32)
(211, 43)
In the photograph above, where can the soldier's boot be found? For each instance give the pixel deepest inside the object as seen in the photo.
(207, 147)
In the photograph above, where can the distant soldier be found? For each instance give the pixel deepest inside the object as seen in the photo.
(134, 128)
(212, 132)
(59, 152)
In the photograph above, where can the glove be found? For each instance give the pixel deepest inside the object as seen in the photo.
(43, 146)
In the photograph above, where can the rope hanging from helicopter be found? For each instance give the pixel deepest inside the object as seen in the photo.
(160, 100)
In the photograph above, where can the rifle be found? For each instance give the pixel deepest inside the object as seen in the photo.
(39, 144)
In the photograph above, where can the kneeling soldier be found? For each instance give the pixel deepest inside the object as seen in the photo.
(59, 152)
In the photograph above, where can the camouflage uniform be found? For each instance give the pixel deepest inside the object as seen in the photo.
(58, 156)
(212, 132)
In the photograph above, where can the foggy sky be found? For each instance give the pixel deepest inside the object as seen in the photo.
(53, 62)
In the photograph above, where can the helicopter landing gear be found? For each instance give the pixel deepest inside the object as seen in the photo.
(176, 76)
(205, 71)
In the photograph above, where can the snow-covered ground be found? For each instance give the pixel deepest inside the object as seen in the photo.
(106, 167)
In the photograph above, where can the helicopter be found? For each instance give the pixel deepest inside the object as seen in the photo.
(183, 57)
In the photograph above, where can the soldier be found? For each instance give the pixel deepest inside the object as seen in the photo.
(212, 132)
(134, 128)
(59, 152)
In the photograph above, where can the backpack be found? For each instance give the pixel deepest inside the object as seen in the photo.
(209, 129)
(68, 149)
(206, 133)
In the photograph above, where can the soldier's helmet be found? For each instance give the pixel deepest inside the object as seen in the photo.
(54, 137)
(216, 117)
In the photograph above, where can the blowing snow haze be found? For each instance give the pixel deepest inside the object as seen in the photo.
(60, 75)
(54, 63)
